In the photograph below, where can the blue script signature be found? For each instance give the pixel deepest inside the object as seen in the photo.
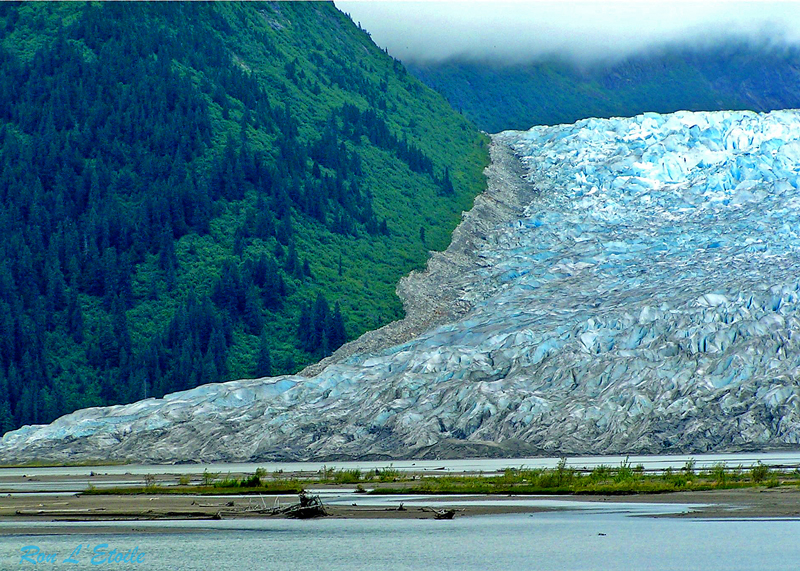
(101, 554)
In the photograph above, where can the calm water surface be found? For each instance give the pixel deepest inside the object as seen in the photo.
(650, 462)
(542, 542)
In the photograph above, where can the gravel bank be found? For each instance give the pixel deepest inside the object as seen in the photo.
(438, 295)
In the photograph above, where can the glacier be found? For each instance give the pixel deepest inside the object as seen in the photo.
(646, 299)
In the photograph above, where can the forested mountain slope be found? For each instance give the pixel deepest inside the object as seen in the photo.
(726, 77)
(196, 192)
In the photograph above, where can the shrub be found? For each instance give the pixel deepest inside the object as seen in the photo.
(718, 473)
(388, 474)
(149, 481)
(227, 482)
(209, 477)
(759, 472)
(624, 472)
(253, 481)
(327, 474)
(564, 475)
(600, 473)
(347, 476)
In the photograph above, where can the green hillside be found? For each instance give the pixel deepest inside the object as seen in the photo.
(196, 192)
(731, 76)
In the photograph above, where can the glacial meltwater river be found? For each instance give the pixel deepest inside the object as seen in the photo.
(570, 540)
(782, 459)
(581, 536)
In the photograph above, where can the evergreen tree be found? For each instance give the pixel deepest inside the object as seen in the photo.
(336, 333)
(218, 347)
(75, 319)
(318, 341)
(305, 328)
(209, 373)
(263, 358)
(446, 183)
(252, 310)
(6, 418)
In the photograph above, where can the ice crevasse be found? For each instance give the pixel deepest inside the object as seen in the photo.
(648, 300)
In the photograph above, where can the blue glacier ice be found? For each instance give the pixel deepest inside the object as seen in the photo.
(647, 300)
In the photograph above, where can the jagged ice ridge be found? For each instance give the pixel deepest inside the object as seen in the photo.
(647, 301)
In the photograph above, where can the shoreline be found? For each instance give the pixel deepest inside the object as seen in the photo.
(81, 510)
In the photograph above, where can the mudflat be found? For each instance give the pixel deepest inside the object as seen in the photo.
(60, 509)
(780, 502)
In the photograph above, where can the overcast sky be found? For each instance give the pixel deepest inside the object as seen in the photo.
(582, 31)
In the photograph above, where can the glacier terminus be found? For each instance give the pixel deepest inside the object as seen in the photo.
(645, 300)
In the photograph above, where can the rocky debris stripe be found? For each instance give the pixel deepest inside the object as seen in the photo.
(637, 292)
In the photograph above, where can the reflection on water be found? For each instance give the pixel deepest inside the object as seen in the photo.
(544, 542)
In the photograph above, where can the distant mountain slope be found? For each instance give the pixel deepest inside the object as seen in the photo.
(195, 192)
(550, 93)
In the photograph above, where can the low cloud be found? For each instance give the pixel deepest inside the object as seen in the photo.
(581, 32)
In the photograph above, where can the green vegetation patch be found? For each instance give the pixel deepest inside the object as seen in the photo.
(602, 480)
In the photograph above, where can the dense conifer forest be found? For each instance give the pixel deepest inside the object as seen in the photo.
(196, 192)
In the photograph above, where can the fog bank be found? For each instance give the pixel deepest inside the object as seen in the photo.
(581, 32)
